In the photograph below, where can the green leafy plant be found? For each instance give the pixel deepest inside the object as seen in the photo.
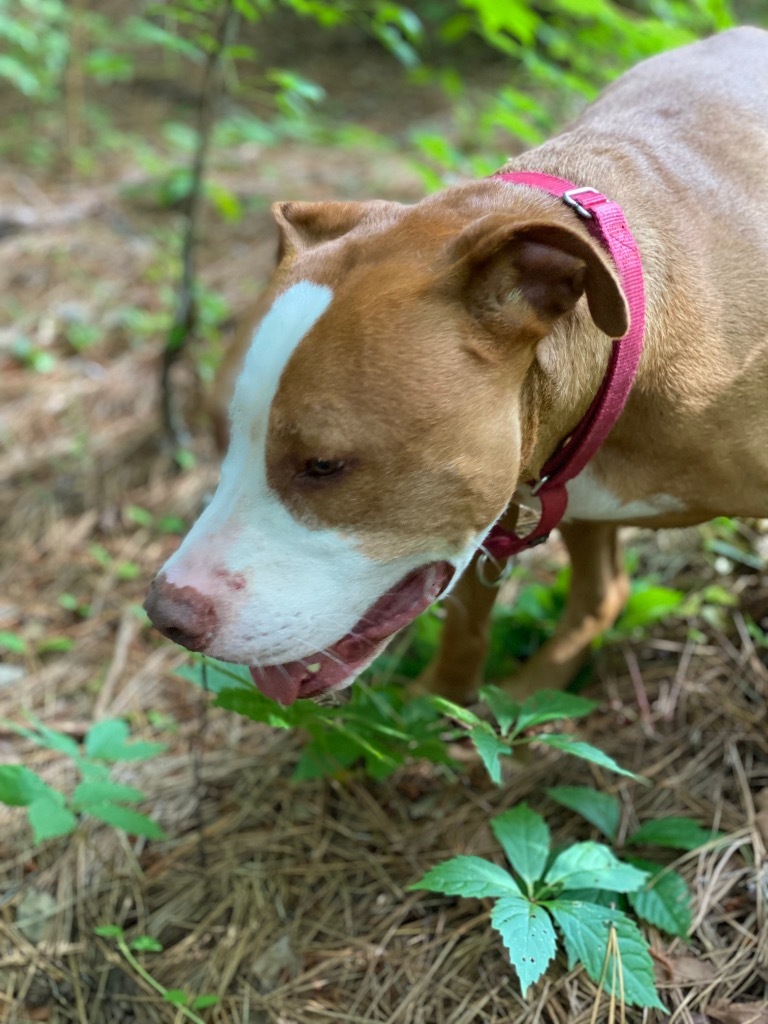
(382, 726)
(664, 900)
(516, 722)
(560, 53)
(53, 813)
(574, 891)
(379, 727)
(34, 46)
(184, 1003)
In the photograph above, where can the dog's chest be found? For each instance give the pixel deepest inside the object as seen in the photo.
(590, 499)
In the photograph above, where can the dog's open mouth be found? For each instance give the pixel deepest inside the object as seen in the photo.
(330, 668)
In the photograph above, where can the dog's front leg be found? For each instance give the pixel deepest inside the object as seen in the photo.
(457, 669)
(599, 589)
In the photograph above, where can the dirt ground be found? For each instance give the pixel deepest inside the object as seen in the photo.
(289, 901)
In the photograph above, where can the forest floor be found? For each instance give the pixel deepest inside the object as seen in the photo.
(289, 901)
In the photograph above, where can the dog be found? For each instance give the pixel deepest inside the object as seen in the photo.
(413, 368)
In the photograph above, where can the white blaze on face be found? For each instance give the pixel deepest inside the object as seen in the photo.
(282, 591)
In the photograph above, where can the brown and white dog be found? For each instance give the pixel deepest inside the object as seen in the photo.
(411, 365)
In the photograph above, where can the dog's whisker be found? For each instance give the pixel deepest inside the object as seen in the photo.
(332, 657)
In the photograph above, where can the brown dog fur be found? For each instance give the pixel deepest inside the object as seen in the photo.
(681, 142)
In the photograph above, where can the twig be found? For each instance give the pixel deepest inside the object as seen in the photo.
(74, 81)
(185, 316)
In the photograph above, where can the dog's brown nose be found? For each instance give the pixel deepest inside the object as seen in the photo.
(182, 614)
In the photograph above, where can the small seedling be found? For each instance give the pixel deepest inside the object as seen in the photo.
(184, 1003)
(123, 570)
(71, 603)
(32, 357)
(576, 890)
(142, 517)
(12, 642)
(53, 813)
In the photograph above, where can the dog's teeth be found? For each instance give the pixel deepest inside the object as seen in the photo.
(314, 668)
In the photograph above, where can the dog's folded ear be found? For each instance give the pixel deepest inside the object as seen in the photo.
(546, 265)
(304, 225)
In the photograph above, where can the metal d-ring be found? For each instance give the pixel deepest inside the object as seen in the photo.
(481, 567)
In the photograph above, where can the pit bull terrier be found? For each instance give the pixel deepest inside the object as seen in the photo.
(413, 368)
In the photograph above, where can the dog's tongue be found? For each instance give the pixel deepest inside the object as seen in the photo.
(283, 686)
(330, 668)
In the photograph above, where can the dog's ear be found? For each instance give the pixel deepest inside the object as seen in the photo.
(303, 225)
(546, 265)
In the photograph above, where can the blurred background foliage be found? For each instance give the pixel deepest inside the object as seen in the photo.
(65, 62)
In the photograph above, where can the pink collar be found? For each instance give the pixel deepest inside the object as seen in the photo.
(606, 222)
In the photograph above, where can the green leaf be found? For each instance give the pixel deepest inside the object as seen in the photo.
(550, 705)
(127, 819)
(646, 605)
(586, 930)
(225, 201)
(504, 709)
(490, 748)
(593, 866)
(55, 645)
(176, 996)
(451, 710)
(204, 1001)
(325, 756)
(735, 554)
(527, 931)
(146, 944)
(109, 931)
(600, 809)
(405, 19)
(153, 35)
(49, 817)
(99, 792)
(20, 76)
(12, 642)
(254, 705)
(674, 833)
(393, 40)
(104, 736)
(107, 740)
(516, 17)
(215, 676)
(45, 737)
(93, 771)
(566, 743)
(19, 786)
(664, 901)
(468, 876)
(138, 515)
(524, 837)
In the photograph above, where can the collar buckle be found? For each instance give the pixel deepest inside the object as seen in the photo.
(582, 211)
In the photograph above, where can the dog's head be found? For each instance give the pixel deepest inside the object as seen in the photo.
(376, 430)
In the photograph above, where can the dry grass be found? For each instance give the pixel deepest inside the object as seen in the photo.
(290, 901)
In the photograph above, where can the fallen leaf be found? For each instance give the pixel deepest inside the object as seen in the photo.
(690, 970)
(739, 1013)
(277, 962)
(36, 915)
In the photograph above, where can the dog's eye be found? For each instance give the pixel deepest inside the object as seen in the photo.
(322, 467)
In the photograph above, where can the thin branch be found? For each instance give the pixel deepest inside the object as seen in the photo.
(185, 317)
